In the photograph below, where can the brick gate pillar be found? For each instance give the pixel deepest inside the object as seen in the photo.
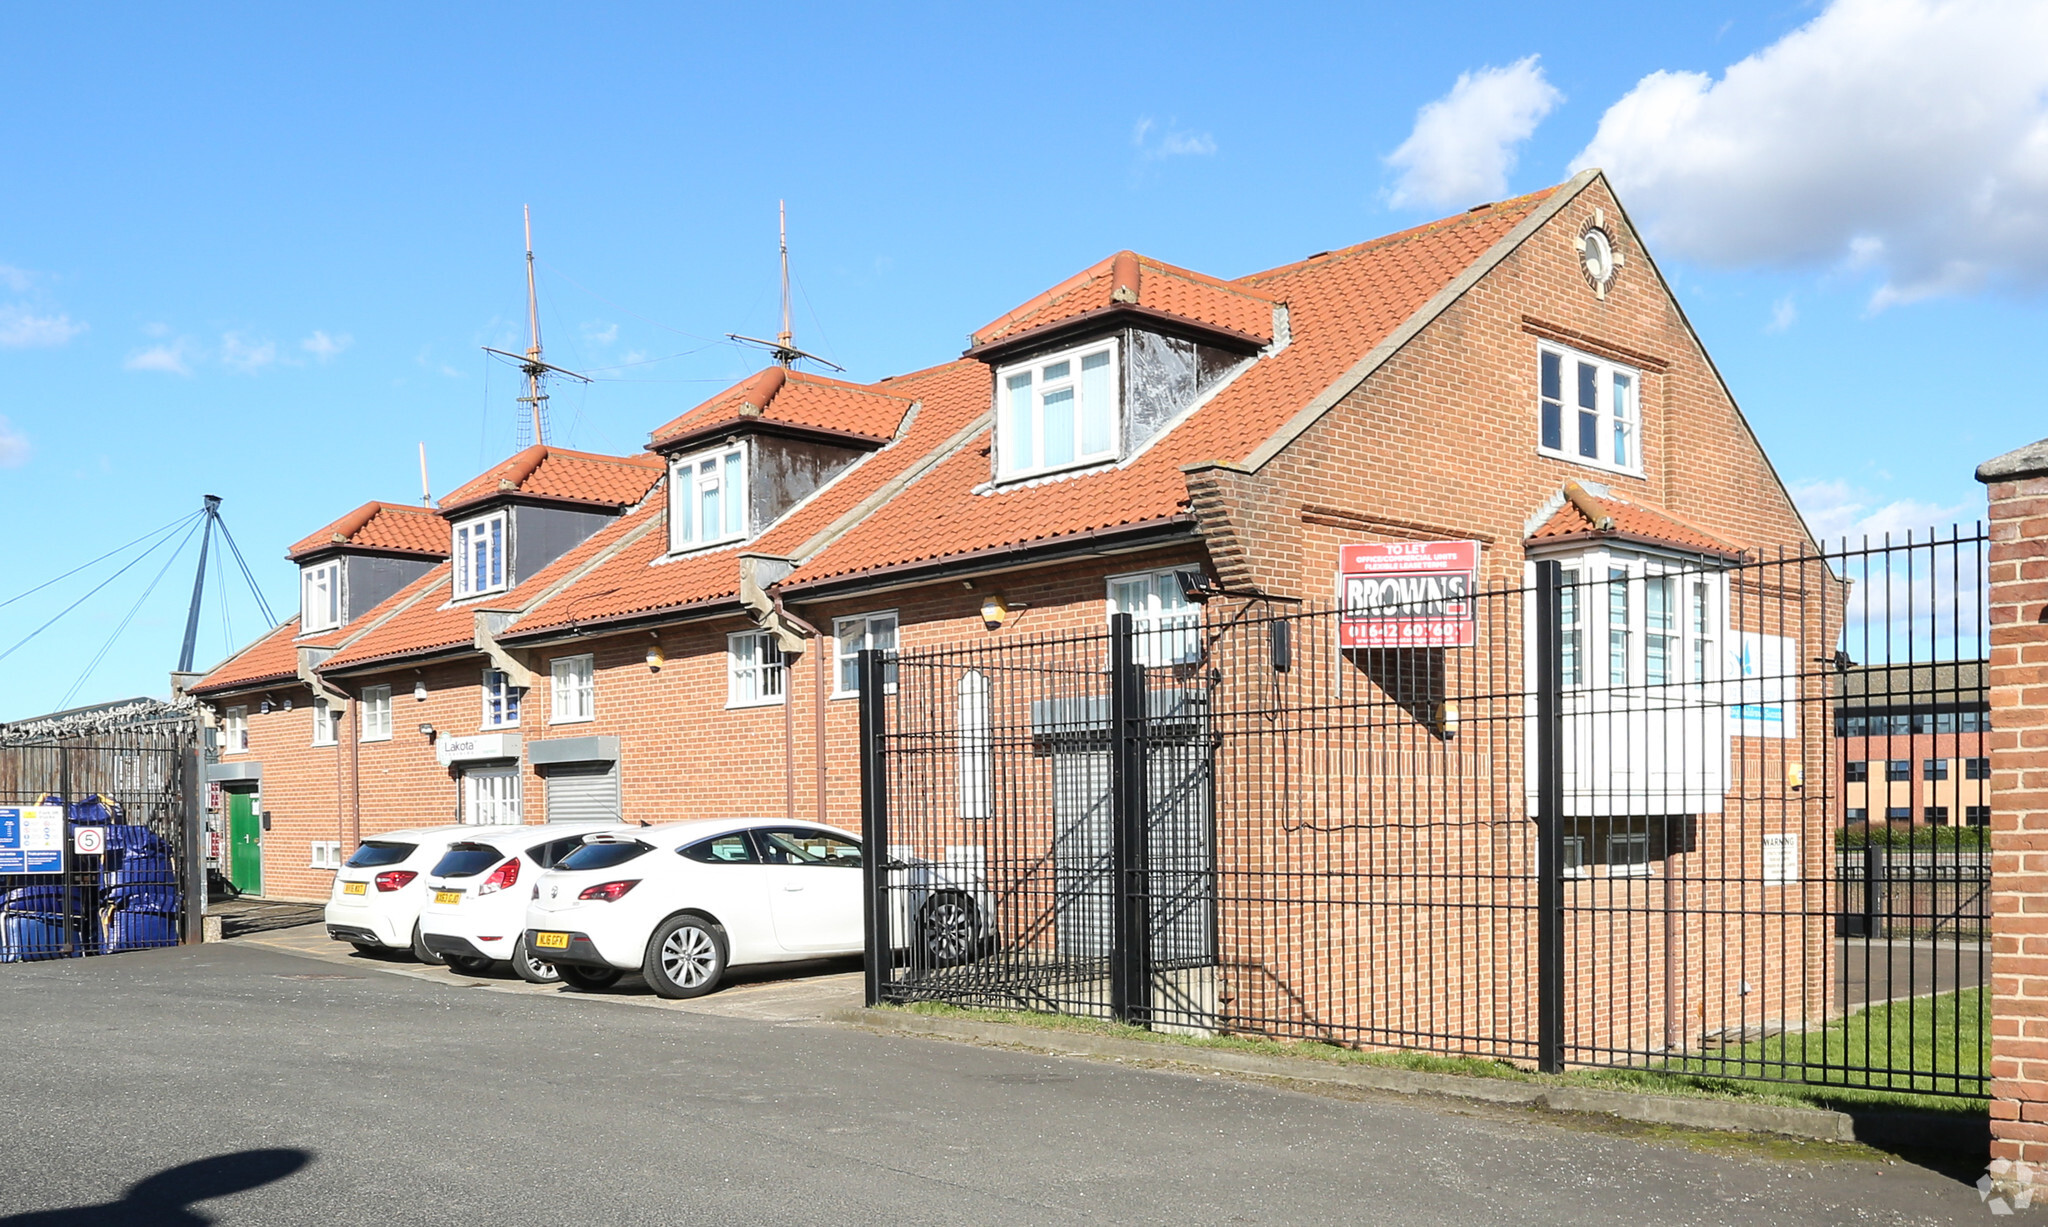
(2017, 483)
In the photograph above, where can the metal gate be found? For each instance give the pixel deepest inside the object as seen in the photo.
(1706, 815)
(136, 794)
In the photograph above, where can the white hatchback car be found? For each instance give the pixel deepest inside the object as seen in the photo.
(476, 894)
(375, 904)
(682, 902)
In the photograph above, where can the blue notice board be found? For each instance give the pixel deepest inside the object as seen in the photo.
(31, 839)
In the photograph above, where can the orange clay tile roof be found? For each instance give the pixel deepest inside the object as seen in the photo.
(1340, 304)
(641, 580)
(437, 624)
(550, 472)
(273, 658)
(395, 527)
(1128, 278)
(791, 398)
(1629, 522)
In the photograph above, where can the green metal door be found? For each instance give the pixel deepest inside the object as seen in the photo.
(245, 843)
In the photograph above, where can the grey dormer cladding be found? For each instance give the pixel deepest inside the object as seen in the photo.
(1163, 375)
(541, 534)
(368, 580)
(782, 471)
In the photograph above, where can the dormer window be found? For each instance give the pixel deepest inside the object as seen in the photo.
(320, 596)
(1058, 411)
(479, 555)
(707, 498)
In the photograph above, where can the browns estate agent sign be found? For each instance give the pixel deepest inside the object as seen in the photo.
(1406, 594)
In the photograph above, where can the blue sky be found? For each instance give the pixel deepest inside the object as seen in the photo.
(253, 252)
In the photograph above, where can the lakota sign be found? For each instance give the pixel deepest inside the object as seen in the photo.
(1406, 594)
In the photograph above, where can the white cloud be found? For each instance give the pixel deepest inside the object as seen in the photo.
(597, 332)
(1837, 509)
(16, 279)
(244, 354)
(1905, 137)
(1463, 145)
(22, 328)
(1784, 314)
(170, 358)
(324, 347)
(14, 446)
(1172, 142)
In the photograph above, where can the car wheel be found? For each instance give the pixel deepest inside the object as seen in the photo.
(587, 979)
(949, 930)
(685, 957)
(420, 951)
(464, 965)
(531, 969)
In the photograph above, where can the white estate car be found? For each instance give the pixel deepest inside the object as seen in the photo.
(476, 894)
(681, 902)
(377, 895)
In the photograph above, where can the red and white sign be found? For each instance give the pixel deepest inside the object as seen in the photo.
(213, 796)
(88, 841)
(1406, 594)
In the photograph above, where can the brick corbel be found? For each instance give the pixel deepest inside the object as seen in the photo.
(757, 572)
(309, 662)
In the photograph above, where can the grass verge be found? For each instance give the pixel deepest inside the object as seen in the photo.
(1821, 1061)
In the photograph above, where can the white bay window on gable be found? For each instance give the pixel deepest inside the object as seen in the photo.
(320, 596)
(1590, 410)
(479, 556)
(1058, 412)
(707, 498)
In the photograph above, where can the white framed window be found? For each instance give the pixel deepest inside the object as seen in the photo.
(977, 748)
(234, 730)
(326, 722)
(320, 596)
(754, 669)
(1058, 411)
(490, 796)
(707, 498)
(500, 701)
(1628, 854)
(1589, 410)
(1640, 621)
(479, 555)
(572, 689)
(376, 703)
(1167, 624)
(326, 854)
(849, 636)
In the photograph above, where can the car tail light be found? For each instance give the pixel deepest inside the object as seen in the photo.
(395, 879)
(608, 892)
(501, 877)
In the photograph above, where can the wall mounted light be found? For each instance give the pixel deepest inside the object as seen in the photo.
(287, 704)
(997, 610)
(1447, 720)
(656, 658)
(263, 708)
(419, 690)
(427, 731)
(1198, 586)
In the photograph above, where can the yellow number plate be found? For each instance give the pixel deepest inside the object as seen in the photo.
(447, 896)
(354, 888)
(551, 941)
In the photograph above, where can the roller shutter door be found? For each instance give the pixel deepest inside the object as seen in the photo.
(582, 792)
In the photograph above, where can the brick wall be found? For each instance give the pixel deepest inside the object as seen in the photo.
(2018, 575)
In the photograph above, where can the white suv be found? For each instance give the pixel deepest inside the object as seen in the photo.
(377, 895)
(476, 894)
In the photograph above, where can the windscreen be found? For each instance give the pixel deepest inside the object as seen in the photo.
(466, 860)
(377, 853)
(603, 856)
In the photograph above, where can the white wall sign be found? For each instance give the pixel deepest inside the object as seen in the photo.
(482, 745)
(1781, 859)
(1766, 686)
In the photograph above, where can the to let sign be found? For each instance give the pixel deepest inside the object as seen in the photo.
(1406, 594)
(31, 839)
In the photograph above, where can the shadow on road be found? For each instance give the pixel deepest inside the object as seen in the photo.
(165, 1199)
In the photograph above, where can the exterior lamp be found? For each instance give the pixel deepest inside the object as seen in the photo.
(656, 658)
(997, 611)
(263, 708)
(1198, 586)
(1447, 720)
(427, 731)
(419, 690)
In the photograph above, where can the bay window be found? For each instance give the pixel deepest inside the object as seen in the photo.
(479, 555)
(1589, 410)
(1058, 411)
(707, 498)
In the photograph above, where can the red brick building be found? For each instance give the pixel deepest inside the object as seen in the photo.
(672, 635)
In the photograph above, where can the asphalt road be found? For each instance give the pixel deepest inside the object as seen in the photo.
(150, 1087)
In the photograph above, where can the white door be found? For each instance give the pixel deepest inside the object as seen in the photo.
(490, 795)
(813, 889)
